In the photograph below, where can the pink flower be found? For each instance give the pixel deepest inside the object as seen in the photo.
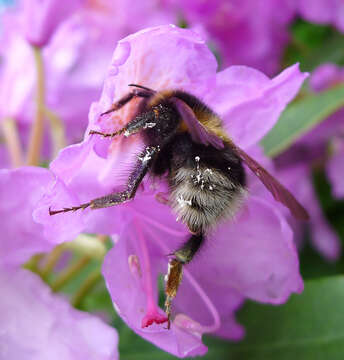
(34, 322)
(297, 176)
(253, 257)
(73, 74)
(252, 33)
(41, 18)
(37, 324)
(294, 167)
(323, 12)
(331, 131)
(21, 190)
(75, 59)
(335, 168)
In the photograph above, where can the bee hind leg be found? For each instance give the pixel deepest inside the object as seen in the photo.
(175, 269)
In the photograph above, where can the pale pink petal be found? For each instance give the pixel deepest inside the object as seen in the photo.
(131, 271)
(22, 190)
(37, 324)
(250, 104)
(255, 254)
(335, 170)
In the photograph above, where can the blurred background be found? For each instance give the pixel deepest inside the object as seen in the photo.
(306, 146)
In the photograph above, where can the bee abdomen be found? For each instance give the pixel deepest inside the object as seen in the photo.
(203, 196)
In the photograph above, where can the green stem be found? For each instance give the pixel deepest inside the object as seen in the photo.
(11, 136)
(36, 135)
(57, 131)
(86, 287)
(68, 273)
(34, 263)
(51, 261)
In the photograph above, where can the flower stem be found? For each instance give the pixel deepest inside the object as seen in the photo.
(10, 132)
(36, 135)
(57, 131)
(34, 263)
(68, 273)
(86, 287)
(51, 261)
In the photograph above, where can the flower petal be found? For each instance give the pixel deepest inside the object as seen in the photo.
(255, 255)
(335, 170)
(41, 18)
(34, 322)
(126, 268)
(21, 191)
(249, 103)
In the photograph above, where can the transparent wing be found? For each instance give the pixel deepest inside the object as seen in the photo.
(198, 132)
(279, 192)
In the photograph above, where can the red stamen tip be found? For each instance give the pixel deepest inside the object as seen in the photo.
(151, 318)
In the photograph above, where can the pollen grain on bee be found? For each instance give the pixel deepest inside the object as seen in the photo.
(149, 125)
(182, 202)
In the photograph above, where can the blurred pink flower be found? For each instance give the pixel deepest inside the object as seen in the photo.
(35, 324)
(41, 18)
(330, 133)
(323, 12)
(298, 177)
(294, 167)
(335, 167)
(20, 191)
(253, 257)
(244, 32)
(75, 59)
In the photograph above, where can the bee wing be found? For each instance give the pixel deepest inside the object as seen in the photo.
(279, 192)
(198, 132)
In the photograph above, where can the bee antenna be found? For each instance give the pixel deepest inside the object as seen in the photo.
(142, 87)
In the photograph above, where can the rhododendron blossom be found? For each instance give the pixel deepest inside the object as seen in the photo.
(323, 12)
(335, 168)
(76, 53)
(40, 19)
(244, 32)
(37, 324)
(251, 257)
(34, 322)
(331, 131)
(296, 164)
(20, 191)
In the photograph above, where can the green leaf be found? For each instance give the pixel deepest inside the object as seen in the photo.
(300, 117)
(310, 326)
(312, 45)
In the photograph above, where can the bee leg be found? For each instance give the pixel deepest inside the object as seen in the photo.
(188, 250)
(125, 99)
(143, 164)
(175, 269)
(143, 121)
(173, 279)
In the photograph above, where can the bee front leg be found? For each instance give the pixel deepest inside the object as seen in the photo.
(142, 165)
(146, 120)
(125, 99)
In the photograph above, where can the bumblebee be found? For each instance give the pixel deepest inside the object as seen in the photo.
(185, 141)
